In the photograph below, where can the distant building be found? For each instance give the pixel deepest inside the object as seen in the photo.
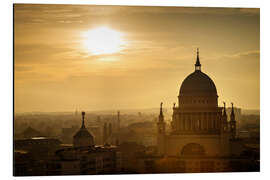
(111, 132)
(67, 134)
(96, 132)
(84, 157)
(118, 121)
(30, 132)
(47, 156)
(105, 133)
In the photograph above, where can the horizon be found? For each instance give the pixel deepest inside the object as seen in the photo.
(121, 110)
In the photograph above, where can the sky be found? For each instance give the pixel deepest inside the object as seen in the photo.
(150, 51)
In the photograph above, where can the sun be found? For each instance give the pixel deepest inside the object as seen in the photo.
(103, 40)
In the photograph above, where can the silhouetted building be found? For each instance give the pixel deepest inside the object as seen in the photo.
(110, 129)
(201, 131)
(105, 133)
(85, 160)
(83, 137)
(84, 157)
(32, 155)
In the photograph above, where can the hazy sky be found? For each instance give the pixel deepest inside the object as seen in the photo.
(55, 71)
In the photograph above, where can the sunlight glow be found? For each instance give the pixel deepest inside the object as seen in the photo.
(103, 40)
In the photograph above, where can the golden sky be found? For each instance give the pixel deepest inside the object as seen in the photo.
(147, 54)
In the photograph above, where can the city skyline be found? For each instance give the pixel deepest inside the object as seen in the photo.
(58, 68)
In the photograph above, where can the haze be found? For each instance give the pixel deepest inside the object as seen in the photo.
(55, 71)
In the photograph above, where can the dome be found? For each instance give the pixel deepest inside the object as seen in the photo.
(83, 133)
(198, 83)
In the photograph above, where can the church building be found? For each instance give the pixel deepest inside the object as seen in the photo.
(199, 127)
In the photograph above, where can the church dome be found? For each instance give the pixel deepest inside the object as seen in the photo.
(198, 83)
(83, 133)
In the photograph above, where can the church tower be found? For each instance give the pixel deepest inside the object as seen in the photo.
(83, 138)
(161, 132)
(232, 124)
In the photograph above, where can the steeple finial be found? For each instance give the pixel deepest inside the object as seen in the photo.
(161, 112)
(198, 64)
(83, 114)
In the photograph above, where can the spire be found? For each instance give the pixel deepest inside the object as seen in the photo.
(161, 117)
(161, 123)
(232, 110)
(224, 109)
(224, 119)
(161, 112)
(83, 114)
(233, 124)
(198, 64)
(232, 114)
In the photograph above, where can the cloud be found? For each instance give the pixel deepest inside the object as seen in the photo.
(79, 14)
(38, 53)
(246, 54)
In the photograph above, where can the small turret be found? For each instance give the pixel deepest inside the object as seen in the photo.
(224, 119)
(161, 123)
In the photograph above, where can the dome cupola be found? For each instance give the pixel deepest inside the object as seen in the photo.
(197, 89)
